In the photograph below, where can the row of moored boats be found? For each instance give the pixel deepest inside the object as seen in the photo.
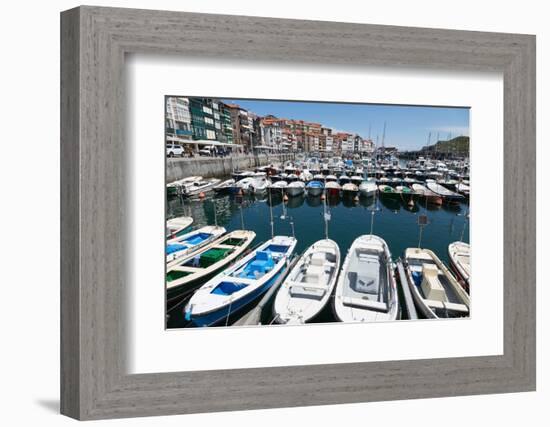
(223, 273)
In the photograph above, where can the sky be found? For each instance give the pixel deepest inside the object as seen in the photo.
(407, 127)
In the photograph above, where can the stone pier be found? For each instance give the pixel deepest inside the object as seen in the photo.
(218, 167)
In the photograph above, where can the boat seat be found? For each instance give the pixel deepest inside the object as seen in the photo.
(450, 306)
(365, 303)
(318, 259)
(298, 289)
(431, 286)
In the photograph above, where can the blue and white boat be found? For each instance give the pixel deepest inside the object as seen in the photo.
(241, 283)
(190, 242)
(315, 188)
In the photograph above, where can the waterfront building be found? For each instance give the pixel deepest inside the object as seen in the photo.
(178, 118)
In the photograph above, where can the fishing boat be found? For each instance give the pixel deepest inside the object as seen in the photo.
(190, 242)
(332, 178)
(295, 188)
(388, 191)
(259, 186)
(428, 195)
(238, 175)
(344, 179)
(368, 188)
(333, 188)
(278, 187)
(240, 284)
(291, 177)
(459, 254)
(177, 187)
(366, 289)
(201, 186)
(319, 177)
(305, 176)
(447, 194)
(176, 227)
(187, 272)
(436, 293)
(463, 189)
(357, 179)
(243, 185)
(404, 190)
(308, 287)
(350, 189)
(315, 188)
(224, 186)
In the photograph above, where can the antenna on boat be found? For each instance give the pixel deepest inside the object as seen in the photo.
(466, 217)
(242, 217)
(422, 222)
(215, 213)
(326, 215)
(271, 216)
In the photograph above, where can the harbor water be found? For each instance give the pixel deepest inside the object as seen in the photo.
(393, 220)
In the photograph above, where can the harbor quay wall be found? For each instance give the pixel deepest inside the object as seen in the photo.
(217, 167)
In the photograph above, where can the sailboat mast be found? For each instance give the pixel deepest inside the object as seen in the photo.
(271, 215)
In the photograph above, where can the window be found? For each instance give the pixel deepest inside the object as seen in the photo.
(210, 134)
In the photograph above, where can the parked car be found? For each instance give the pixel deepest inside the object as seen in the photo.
(174, 150)
(205, 152)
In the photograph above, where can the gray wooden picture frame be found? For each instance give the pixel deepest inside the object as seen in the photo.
(94, 42)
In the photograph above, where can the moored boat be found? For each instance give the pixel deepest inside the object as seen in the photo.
(459, 254)
(368, 188)
(388, 191)
(350, 189)
(441, 191)
(189, 271)
(295, 188)
(428, 195)
(314, 188)
(332, 188)
(436, 293)
(308, 287)
(192, 241)
(239, 285)
(278, 187)
(201, 186)
(176, 227)
(366, 289)
(224, 186)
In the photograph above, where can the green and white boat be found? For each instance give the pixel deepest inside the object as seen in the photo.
(187, 272)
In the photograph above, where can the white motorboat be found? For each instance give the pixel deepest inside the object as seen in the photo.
(295, 188)
(176, 226)
(463, 189)
(178, 187)
(368, 188)
(191, 242)
(305, 176)
(278, 187)
(436, 293)
(259, 186)
(189, 271)
(459, 254)
(241, 284)
(202, 186)
(357, 179)
(366, 290)
(443, 192)
(224, 186)
(350, 189)
(428, 195)
(308, 286)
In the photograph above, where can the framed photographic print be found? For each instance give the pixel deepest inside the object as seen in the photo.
(295, 213)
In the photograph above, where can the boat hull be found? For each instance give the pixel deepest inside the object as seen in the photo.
(216, 317)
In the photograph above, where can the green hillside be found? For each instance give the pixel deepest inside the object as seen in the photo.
(458, 146)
